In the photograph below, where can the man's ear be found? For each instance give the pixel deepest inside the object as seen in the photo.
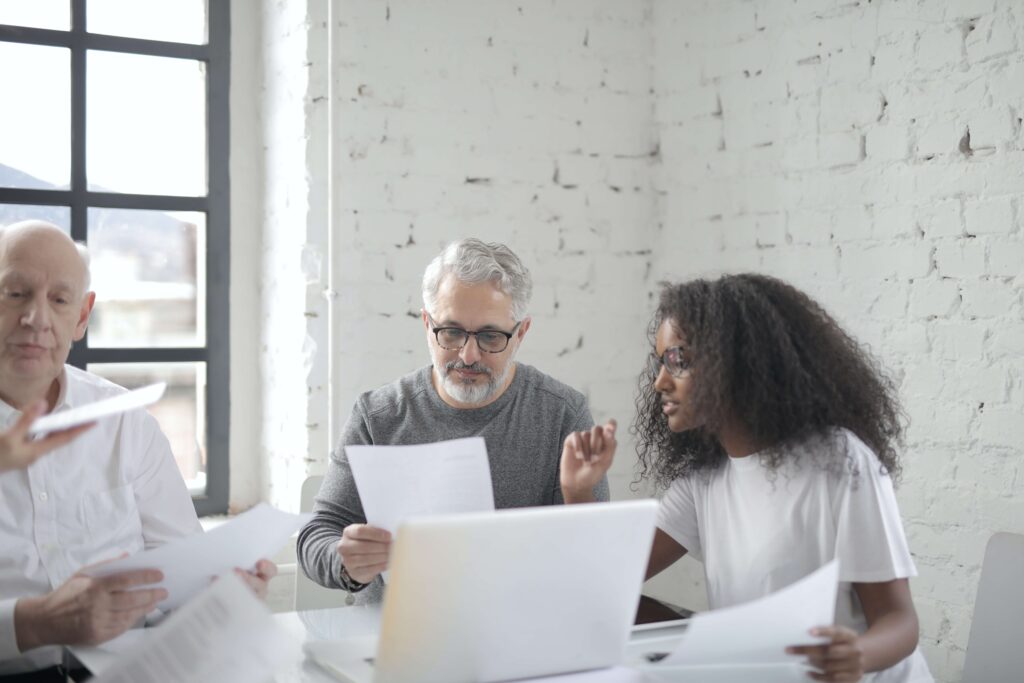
(88, 301)
(523, 327)
(426, 318)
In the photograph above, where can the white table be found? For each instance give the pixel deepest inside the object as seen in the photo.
(350, 622)
(357, 621)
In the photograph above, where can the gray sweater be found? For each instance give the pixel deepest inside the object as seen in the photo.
(523, 429)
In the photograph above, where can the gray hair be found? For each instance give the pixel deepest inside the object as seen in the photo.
(472, 261)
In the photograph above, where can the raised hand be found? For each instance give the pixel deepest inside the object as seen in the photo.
(586, 458)
(18, 450)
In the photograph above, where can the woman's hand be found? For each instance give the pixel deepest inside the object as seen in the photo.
(840, 661)
(259, 578)
(586, 458)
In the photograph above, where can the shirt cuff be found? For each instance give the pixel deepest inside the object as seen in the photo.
(8, 638)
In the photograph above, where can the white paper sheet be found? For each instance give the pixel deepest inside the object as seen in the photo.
(225, 634)
(758, 632)
(94, 411)
(397, 482)
(190, 563)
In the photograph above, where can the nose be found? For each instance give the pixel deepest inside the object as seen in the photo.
(470, 353)
(36, 314)
(664, 381)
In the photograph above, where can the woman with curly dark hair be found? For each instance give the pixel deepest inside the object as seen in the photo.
(775, 435)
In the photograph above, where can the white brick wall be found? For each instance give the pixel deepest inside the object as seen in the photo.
(883, 209)
(526, 123)
(870, 152)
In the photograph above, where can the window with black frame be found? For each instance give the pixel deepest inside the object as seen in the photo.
(114, 126)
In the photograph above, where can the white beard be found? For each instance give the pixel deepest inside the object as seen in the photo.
(473, 393)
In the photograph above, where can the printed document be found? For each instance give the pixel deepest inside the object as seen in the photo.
(397, 482)
(190, 563)
(225, 634)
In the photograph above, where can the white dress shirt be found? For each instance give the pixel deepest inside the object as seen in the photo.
(114, 489)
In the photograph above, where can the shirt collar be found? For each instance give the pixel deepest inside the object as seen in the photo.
(66, 399)
(66, 396)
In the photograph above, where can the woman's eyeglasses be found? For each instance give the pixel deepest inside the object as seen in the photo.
(675, 359)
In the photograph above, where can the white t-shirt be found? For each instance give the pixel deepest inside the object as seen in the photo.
(757, 531)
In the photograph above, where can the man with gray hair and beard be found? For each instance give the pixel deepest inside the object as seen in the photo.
(475, 298)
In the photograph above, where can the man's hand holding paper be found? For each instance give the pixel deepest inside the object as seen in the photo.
(87, 610)
(189, 564)
(398, 482)
(364, 551)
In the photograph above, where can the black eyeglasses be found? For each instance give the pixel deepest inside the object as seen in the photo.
(675, 359)
(488, 341)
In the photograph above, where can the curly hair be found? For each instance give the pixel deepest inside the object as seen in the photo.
(768, 356)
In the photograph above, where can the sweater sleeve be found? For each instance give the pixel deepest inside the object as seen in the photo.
(337, 505)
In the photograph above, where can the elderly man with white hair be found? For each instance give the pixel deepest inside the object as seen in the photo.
(114, 490)
(475, 299)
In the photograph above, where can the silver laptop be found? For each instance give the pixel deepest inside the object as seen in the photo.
(503, 595)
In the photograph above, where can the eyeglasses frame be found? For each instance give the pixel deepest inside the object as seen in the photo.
(437, 330)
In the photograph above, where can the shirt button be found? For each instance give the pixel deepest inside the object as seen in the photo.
(43, 496)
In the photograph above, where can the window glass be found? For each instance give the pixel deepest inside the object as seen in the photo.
(51, 14)
(146, 124)
(178, 21)
(35, 116)
(181, 412)
(58, 215)
(148, 272)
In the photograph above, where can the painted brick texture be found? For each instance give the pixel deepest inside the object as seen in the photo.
(525, 123)
(872, 153)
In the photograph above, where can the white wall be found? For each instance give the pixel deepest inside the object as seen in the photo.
(826, 142)
(614, 144)
(527, 124)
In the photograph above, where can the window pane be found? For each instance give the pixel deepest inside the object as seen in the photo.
(35, 118)
(52, 14)
(179, 21)
(181, 412)
(58, 215)
(146, 124)
(148, 272)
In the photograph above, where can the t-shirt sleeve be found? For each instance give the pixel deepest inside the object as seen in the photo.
(870, 543)
(677, 517)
